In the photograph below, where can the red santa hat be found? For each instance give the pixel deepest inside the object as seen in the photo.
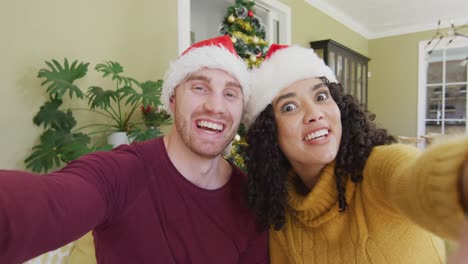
(215, 53)
(283, 66)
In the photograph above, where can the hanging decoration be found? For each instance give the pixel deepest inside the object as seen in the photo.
(451, 32)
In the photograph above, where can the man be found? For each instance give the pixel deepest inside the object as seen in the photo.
(168, 200)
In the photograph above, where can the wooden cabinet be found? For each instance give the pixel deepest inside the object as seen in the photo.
(349, 66)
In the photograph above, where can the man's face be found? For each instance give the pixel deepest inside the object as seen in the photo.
(207, 109)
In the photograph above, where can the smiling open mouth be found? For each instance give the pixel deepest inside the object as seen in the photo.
(319, 134)
(210, 127)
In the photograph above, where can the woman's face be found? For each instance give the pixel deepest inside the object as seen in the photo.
(309, 124)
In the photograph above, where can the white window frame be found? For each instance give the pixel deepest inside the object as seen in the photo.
(422, 81)
(281, 9)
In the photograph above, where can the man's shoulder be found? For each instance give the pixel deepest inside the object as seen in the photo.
(238, 175)
(237, 171)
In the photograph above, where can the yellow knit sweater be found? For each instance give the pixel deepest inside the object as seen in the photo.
(402, 192)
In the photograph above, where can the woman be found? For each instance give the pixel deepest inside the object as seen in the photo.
(334, 188)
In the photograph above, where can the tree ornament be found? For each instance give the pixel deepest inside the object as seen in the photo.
(223, 30)
(255, 40)
(241, 42)
(257, 23)
(231, 19)
(257, 51)
(233, 39)
(241, 12)
(253, 58)
(250, 13)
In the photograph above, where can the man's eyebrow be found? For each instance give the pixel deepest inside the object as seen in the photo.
(233, 84)
(198, 78)
(208, 80)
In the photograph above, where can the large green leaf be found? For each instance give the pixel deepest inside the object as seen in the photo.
(150, 93)
(101, 98)
(56, 147)
(61, 78)
(46, 154)
(50, 116)
(75, 146)
(114, 69)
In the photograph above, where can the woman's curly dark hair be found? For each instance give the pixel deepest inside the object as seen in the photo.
(268, 167)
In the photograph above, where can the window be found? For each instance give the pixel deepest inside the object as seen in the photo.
(442, 91)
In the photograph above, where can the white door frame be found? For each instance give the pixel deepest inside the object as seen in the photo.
(184, 21)
(422, 71)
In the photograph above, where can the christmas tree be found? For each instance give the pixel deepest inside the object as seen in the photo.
(247, 32)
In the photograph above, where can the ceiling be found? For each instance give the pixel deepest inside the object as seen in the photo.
(376, 19)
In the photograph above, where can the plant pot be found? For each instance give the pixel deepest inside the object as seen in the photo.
(118, 138)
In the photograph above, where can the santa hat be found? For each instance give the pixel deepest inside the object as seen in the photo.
(283, 66)
(215, 53)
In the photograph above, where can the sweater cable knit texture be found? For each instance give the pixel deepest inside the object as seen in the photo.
(403, 193)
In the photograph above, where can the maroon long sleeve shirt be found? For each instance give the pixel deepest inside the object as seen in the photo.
(141, 210)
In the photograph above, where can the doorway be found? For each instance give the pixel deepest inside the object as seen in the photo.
(201, 19)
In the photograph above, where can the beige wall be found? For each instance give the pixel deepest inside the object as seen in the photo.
(310, 24)
(393, 87)
(141, 35)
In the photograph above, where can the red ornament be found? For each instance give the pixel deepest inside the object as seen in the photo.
(250, 13)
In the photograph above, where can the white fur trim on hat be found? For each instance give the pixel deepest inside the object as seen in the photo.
(280, 70)
(212, 57)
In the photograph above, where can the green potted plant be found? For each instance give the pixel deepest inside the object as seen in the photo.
(63, 141)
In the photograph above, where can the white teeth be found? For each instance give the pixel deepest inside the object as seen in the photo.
(316, 134)
(210, 125)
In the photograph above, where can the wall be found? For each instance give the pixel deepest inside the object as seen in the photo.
(141, 35)
(393, 87)
(310, 24)
(206, 17)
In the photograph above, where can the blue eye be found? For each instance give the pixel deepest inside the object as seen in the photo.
(288, 107)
